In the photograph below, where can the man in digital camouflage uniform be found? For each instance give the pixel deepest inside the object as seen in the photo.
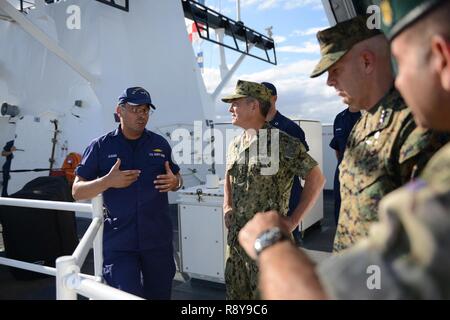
(261, 164)
(385, 149)
(406, 255)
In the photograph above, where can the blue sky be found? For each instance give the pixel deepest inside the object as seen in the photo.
(295, 23)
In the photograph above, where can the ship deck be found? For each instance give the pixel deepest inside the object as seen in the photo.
(317, 242)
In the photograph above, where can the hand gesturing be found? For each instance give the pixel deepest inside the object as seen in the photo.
(166, 182)
(121, 179)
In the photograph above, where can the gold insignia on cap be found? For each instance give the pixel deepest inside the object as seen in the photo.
(386, 10)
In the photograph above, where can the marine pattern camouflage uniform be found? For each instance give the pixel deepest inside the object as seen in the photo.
(385, 150)
(410, 245)
(254, 192)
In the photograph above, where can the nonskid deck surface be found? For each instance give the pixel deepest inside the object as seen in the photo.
(317, 241)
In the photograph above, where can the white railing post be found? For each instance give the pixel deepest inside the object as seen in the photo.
(65, 266)
(69, 281)
(85, 244)
(97, 211)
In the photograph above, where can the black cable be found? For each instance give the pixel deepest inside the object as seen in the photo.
(32, 170)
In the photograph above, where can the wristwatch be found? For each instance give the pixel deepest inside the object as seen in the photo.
(268, 238)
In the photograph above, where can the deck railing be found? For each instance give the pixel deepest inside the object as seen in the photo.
(69, 280)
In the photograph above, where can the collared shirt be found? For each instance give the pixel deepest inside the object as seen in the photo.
(285, 124)
(406, 255)
(343, 125)
(385, 150)
(137, 217)
(291, 128)
(254, 186)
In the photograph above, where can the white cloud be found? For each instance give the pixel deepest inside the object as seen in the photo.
(268, 4)
(227, 11)
(285, 4)
(292, 4)
(246, 3)
(299, 96)
(306, 47)
(261, 4)
(211, 78)
(307, 32)
(279, 39)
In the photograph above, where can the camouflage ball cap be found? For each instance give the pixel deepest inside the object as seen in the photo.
(336, 41)
(246, 89)
(397, 15)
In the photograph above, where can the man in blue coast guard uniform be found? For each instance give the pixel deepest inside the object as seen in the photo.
(133, 168)
(343, 125)
(279, 121)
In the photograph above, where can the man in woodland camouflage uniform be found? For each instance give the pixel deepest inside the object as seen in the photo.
(406, 255)
(261, 164)
(385, 149)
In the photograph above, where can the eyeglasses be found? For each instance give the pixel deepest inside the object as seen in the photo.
(138, 110)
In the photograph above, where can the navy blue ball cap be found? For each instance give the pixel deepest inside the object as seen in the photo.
(136, 96)
(271, 88)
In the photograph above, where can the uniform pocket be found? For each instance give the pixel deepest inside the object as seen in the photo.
(238, 173)
(364, 181)
(108, 161)
(369, 160)
(155, 164)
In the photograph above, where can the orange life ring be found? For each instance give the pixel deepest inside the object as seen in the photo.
(72, 160)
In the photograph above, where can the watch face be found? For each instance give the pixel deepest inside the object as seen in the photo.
(268, 238)
(258, 246)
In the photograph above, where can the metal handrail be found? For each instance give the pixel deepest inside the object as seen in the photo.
(69, 280)
(37, 268)
(206, 18)
(44, 204)
(95, 290)
(83, 247)
(28, 266)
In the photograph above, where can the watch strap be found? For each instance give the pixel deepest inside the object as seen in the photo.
(268, 238)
